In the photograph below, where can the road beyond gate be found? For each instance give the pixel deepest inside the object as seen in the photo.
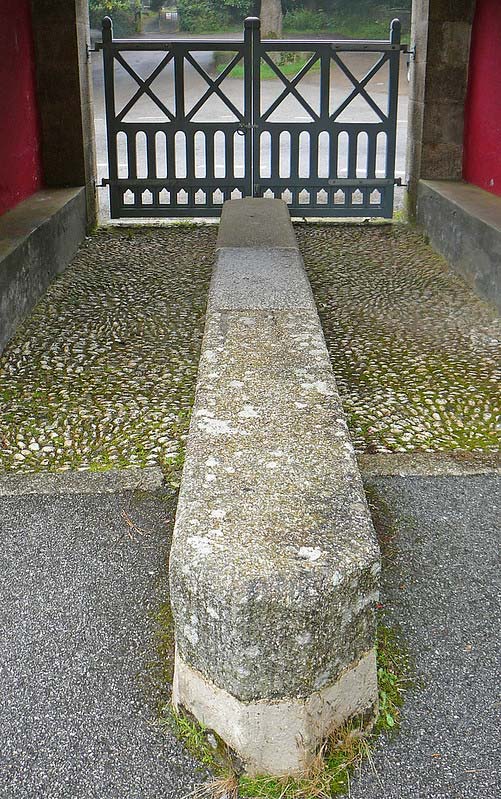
(307, 151)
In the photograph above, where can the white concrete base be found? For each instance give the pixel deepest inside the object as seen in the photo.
(277, 737)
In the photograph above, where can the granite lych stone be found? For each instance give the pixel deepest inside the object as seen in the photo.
(274, 567)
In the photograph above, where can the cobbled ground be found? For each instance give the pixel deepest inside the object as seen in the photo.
(102, 374)
(417, 356)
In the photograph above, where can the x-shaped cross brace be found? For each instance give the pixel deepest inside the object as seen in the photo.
(144, 87)
(214, 87)
(290, 87)
(359, 87)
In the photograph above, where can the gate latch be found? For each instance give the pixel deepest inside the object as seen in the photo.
(246, 126)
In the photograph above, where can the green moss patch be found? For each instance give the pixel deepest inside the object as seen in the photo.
(102, 374)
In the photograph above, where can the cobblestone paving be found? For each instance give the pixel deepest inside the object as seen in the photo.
(103, 372)
(416, 355)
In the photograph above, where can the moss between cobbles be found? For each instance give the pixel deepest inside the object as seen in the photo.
(415, 353)
(342, 753)
(102, 374)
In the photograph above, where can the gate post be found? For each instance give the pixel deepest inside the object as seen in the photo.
(109, 96)
(391, 141)
(252, 27)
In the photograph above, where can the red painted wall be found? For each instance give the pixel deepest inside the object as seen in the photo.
(482, 142)
(20, 158)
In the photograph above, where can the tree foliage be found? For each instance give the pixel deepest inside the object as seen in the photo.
(207, 15)
(197, 15)
(121, 11)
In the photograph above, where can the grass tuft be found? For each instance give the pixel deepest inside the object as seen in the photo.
(393, 671)
(287, 66)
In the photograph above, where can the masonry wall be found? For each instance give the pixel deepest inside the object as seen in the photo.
(64, 91)
(441, 33)
(20, 145)
(482, 140)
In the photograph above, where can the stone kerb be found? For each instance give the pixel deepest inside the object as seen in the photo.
(274, 566)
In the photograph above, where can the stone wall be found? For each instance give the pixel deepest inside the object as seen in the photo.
(441, 32)
(64, 93)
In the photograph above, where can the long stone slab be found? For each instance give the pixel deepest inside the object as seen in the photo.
(264, 224)
(274, 566)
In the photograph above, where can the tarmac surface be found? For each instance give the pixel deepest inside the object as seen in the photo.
(441, 590)
(84, 576)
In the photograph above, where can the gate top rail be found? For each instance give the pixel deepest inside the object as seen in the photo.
(169, 44)
(195, 43)
(341, 45)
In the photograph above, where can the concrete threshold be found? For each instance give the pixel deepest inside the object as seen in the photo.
(274, 567)
(436, 464)
(83, 482)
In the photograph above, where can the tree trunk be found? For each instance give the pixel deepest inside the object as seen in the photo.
(271, 18)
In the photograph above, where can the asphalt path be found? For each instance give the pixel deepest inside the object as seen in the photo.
(82, 581)
(440, 590)
(215, 110)
(84, 576)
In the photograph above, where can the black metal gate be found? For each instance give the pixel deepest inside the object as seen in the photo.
(290, 138)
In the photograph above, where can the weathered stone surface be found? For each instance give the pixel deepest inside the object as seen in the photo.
(464, 225)
(38, 238)
(64, 95)
(266, 224)
(441, 32)
(274, 563)
(260, 279)
(274, 566)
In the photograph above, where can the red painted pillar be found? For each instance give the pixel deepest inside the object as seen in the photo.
(20, 152)
(482, 141)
